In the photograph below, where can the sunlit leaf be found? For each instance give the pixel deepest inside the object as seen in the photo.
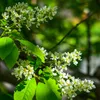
(47, 91)
(6, 46)
(36, 51)
(25, 90)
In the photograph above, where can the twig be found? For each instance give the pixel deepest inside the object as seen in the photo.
(71, 31)
(89, 46)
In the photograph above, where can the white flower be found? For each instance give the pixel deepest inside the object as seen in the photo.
(24, 70)
(18, 72)
(75, 62)
(44, 51)
(5, 15)
(54, 57)
(30, 69)
(70, 86)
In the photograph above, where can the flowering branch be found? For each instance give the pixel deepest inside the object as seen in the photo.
(57, 64)
(40, 70)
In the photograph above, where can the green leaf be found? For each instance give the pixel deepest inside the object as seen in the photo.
(36, 51)
(40, 72)
(15, 34)
(11, 59)
(37, 63)
(6, 46)
(47, 72)
(3, 22)
(25, 90)
(54, 87)
(47, 91)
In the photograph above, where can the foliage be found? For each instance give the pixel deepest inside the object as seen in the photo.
(8, 51)
(33, 49)
(48, 91)
(25, 90)
(42, 72)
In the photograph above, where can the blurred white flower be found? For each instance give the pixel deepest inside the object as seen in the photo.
(25, 71)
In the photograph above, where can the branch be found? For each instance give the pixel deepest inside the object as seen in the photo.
(89, 46)
(71, 31)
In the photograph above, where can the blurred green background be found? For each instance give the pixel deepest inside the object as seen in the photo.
(85, 37)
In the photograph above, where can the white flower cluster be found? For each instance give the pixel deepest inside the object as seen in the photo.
(61, 61)
(19, 15)
(24, 70)
(72, 57)
(70, 86)
(58, 63)
(22, 14)
(44, 51)
(45, 13)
